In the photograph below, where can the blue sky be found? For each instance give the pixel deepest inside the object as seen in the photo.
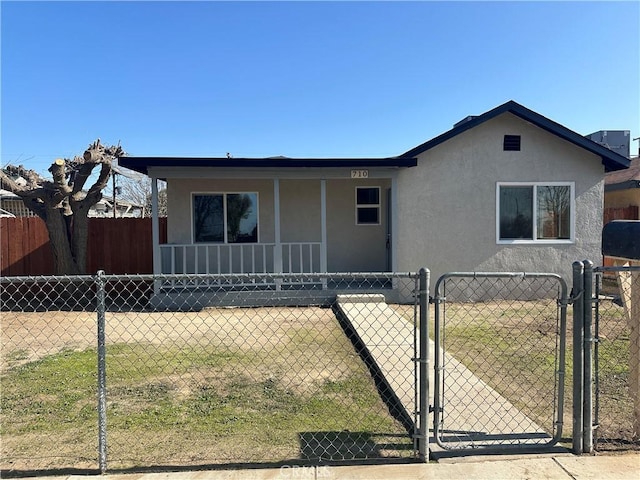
(303, 79)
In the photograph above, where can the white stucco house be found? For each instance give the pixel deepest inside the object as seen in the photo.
(506, 190)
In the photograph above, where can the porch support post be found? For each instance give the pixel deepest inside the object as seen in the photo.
(155, 232)
(394, 222)
(277, 253)
(323, 225)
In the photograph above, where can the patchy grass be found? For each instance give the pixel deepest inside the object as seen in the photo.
(306, 395)
(16, 357)
(512, 347)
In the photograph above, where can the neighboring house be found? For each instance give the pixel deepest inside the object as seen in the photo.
(505, 190)
(622, 196)
(124, 209)
(13, 204)
(5, 214)
(622, 193)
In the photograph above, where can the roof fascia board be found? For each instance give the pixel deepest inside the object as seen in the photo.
(271, 173)
(609, 157)
(628, 185)
(143, 164)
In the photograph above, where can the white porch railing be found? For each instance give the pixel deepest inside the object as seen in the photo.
(239, 258)
(302, 257)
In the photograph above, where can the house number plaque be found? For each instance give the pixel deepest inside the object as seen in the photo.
(359, 173)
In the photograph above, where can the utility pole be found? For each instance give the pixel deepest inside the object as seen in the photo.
(113, 178)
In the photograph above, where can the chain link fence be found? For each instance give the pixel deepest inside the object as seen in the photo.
(268, 374)
(48, 371)
(500, 360)
(616, 360)
(147, 371)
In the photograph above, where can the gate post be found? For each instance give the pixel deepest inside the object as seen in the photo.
(423, 407)
(578, 358)
(587, 401)
(102, 375)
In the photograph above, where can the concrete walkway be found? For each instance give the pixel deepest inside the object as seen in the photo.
(476, 415)
(609, 467)
(389, 339)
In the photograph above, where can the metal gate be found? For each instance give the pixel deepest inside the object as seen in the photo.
(499, 360)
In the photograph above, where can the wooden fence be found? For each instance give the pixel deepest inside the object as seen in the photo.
(116, 245)
(621, 213)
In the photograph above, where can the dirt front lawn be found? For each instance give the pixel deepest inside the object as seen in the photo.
(221, 385)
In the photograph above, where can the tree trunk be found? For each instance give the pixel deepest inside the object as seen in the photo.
(64, 263)
(74, 295)
(79, 239)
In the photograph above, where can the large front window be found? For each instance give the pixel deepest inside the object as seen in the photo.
(535, 212)
(225, 217)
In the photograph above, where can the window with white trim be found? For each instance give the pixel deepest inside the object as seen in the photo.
(225, 217)
(535, 212)
(367, 205)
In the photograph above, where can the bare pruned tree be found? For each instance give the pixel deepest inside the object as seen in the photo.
(137, 190)
(63, 203)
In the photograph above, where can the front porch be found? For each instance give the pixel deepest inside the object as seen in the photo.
(264, 221)
(285, 225)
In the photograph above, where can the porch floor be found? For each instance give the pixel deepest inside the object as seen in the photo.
(194, 295)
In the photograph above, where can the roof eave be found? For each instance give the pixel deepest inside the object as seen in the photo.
(628, 185)
(142, 164)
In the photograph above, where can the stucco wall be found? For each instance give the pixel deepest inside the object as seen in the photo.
(351, 247)
(299, 211)
(447, 204)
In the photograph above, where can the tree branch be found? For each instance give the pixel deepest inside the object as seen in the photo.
(30, 176)
(79, 172)
(57, 170)
(95, 154)
(32, 199)
(94, 195)
(8, 183)
(36, 205)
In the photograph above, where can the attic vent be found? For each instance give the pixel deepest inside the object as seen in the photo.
(511, 143)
